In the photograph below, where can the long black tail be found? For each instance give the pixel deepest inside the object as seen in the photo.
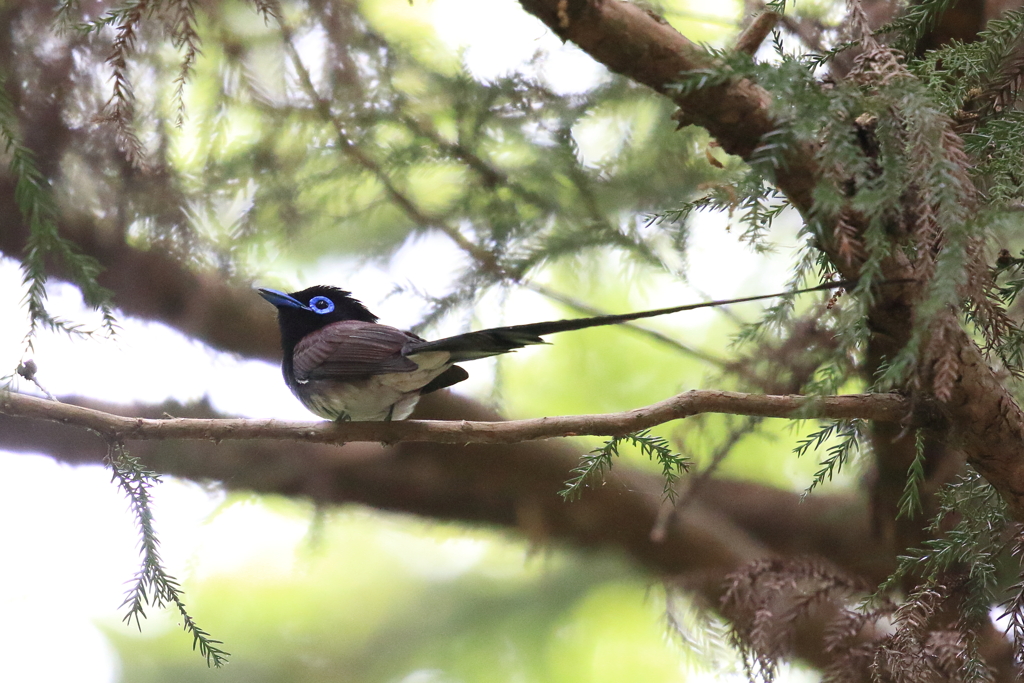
(497, 340)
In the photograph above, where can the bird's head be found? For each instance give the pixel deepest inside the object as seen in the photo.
(300, 313)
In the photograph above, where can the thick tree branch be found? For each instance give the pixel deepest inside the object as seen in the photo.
(722, 525)
(630, 40)
(472, 484)
(753, 35)
(155, 285)
(878, 407)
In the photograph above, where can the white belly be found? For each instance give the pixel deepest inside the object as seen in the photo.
(376, 398)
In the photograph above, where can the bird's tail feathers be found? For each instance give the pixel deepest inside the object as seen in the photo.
(482, 344)
(498, 340)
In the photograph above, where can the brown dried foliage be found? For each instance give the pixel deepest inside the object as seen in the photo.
(765, 600)
(921, 639)
(946, 364)
(847, 239)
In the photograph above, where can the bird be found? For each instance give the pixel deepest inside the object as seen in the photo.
(343, 365)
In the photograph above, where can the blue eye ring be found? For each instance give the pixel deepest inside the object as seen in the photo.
(321, 305)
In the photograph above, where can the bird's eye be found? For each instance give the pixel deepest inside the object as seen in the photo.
(321, 305)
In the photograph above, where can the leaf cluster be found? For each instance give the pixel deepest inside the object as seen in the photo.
(845, 437)
(766, 599)
(34, 197)
(594, 464)
(153, 586)
(910, 152)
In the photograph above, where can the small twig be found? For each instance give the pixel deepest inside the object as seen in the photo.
(880, 407)
(670, 508)
(490, 174)
(363, 159)
(809, 31)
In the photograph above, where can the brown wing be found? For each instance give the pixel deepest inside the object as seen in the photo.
(351, 350)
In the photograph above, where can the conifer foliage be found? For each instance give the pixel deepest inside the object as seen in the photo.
(197, 138)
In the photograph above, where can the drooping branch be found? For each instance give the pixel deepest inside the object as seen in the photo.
(878, 407)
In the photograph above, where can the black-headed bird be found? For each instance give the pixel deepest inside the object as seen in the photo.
(344, 365)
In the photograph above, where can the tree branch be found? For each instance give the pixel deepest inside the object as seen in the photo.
(476, 482)
(364, 160)
(155, 285)
(631, 41)
(722, 526)
(878, 407)
(753, 35)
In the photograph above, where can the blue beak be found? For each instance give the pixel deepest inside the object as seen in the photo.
(280, 299)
